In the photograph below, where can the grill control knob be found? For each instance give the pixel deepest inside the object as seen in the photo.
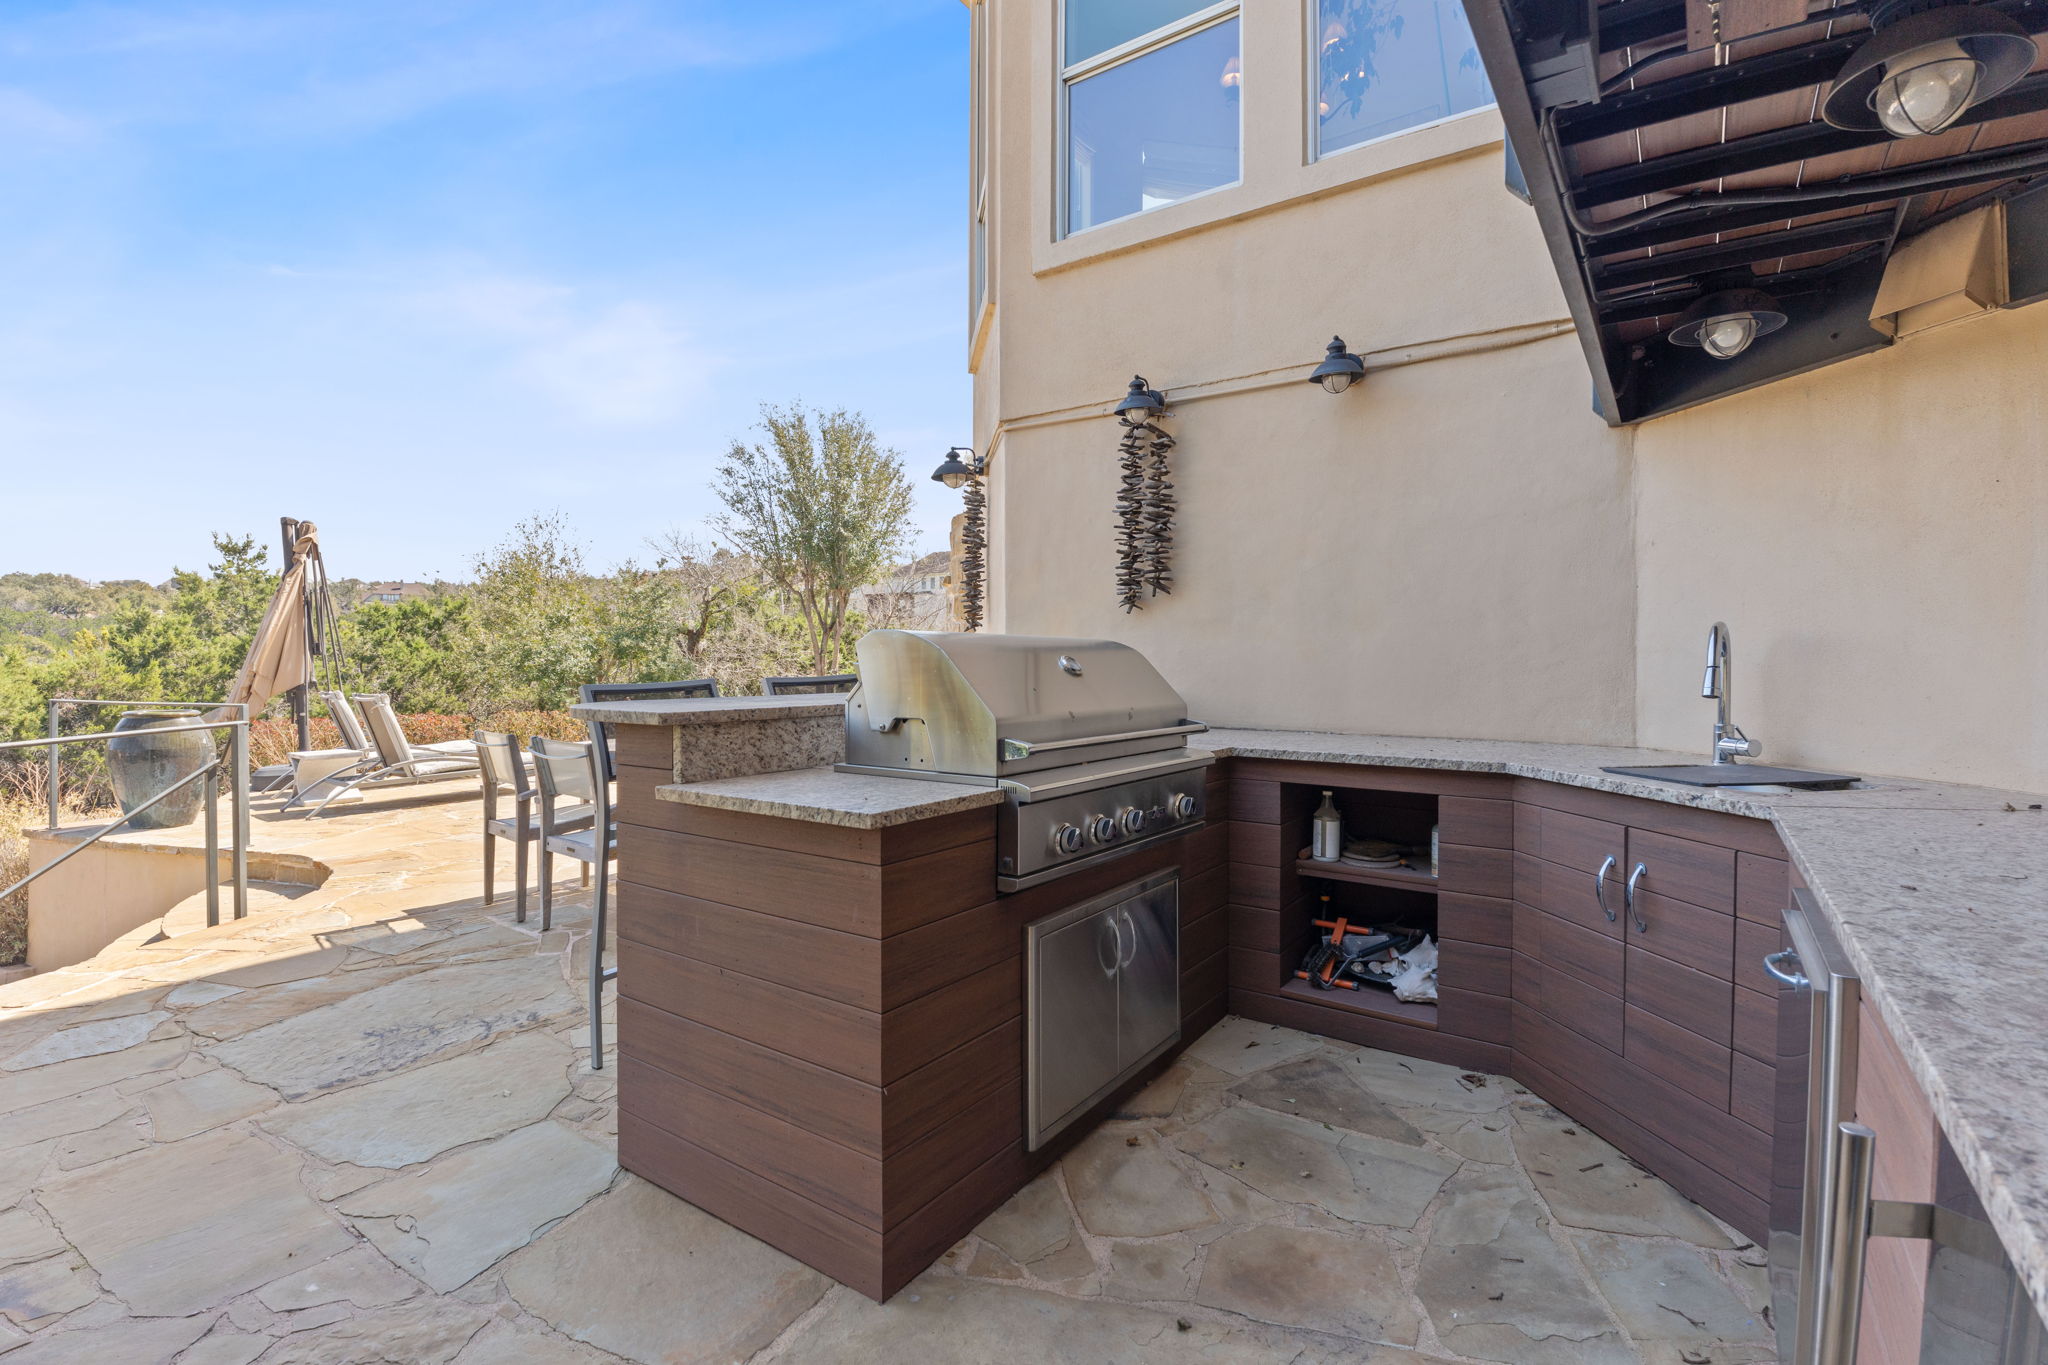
(1184, 807)
(1067, 839)
(1130, 819)
(1101, 829)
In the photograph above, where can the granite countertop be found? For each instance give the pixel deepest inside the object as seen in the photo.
(1897, 865)
(710, 710)
(827, 797)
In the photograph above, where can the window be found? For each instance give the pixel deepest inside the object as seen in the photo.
(1151, 105)
(1386, 65)
(977, 167)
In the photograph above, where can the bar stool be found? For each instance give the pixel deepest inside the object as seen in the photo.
(575, 806)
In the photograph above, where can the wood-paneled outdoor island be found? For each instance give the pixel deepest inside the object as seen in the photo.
(820, 1033)
(822, 992)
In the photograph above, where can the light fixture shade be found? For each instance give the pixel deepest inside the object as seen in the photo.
(1919, 72)
(1141, 398)
(1340, 369)
(955, 471)
(1724, 323)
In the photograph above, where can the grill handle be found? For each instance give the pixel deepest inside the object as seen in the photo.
(1013, 749)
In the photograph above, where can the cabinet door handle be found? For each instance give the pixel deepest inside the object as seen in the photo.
(1600, 888)
(1116, 943)
(1131, 925)
(1628, 897)
(1792, 975)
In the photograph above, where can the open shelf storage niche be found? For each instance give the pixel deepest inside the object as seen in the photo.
(1405, 896)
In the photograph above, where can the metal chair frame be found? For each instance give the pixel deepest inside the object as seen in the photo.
(592, 844)
(701, 689)
(818, 685)
(503, 772)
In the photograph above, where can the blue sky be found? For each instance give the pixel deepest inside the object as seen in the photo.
(415, 269)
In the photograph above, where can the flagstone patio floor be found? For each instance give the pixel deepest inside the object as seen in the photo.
(359, 1127)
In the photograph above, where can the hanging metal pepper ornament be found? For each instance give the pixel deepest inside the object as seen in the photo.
(1144, 499)
(973, 552)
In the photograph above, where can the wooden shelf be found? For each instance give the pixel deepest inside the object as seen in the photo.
(1407, 878)
(1368, 1000)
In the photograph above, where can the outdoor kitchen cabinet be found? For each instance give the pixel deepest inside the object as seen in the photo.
(1641, 1003)
(821, 1028)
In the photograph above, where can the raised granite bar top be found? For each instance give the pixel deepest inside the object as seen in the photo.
(823, 796)
(710, 710)
(1938, 892)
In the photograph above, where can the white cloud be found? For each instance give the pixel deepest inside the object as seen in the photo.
(618, 363)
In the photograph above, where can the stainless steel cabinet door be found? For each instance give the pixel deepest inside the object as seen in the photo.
(1074, 1014)
(1148, 957)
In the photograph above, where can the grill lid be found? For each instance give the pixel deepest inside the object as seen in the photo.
(996, 706)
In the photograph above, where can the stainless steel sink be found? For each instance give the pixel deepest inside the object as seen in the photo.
(1739, 775)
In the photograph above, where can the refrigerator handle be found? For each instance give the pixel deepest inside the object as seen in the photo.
(1847, 1239)
(1856, 1219)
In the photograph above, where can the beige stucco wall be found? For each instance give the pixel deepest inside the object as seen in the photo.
(1461, 546)
(1876, 536)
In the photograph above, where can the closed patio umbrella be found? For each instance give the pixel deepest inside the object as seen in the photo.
(281, 656)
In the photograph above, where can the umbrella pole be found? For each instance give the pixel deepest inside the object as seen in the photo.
(302, 713)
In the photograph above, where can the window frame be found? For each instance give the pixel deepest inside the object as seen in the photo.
(1312, 93)
(1067, 76)
(979, 71)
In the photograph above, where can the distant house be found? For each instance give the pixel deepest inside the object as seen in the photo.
(392, 593)
(913, 596)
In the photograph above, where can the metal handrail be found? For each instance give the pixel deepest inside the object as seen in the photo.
(238, 791)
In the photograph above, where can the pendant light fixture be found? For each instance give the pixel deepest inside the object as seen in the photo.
(956, 471)
(1924, 65)
(1340, 369)
(1142, 398)
(1724, 323)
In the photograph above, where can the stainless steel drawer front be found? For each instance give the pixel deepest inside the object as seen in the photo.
(1102, 998)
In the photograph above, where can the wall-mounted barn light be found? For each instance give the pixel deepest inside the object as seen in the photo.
(1922, 67)
(1340, 369)
(956, 471)
(1142, 399)
(1725, 322)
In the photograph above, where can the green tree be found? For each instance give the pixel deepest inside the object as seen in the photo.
(413, 650)
(822, 508)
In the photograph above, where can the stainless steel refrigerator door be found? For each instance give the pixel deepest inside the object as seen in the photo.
(1073, 1039)
(1816, 1091)
(1149, 986)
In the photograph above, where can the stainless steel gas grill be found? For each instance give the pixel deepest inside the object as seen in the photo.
(1084, 737)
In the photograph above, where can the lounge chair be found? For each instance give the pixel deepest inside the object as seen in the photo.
(819, 683)
(396, 757)
(600, 733)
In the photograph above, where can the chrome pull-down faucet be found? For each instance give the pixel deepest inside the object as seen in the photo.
(1729, 742)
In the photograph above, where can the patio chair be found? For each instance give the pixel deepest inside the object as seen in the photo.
(506, 771)
(575, 809)
(600, 733)
(821, 683)
(397, 759)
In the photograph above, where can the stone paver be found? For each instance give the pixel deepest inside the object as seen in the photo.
(198, 1103)
(358, 1127)
(1344, 1285)
(423, 1112)
(394, 1026)
(643, 1274)
(181, 1227)
(452, 1220)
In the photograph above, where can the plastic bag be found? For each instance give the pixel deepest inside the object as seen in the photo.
(1415, 975)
